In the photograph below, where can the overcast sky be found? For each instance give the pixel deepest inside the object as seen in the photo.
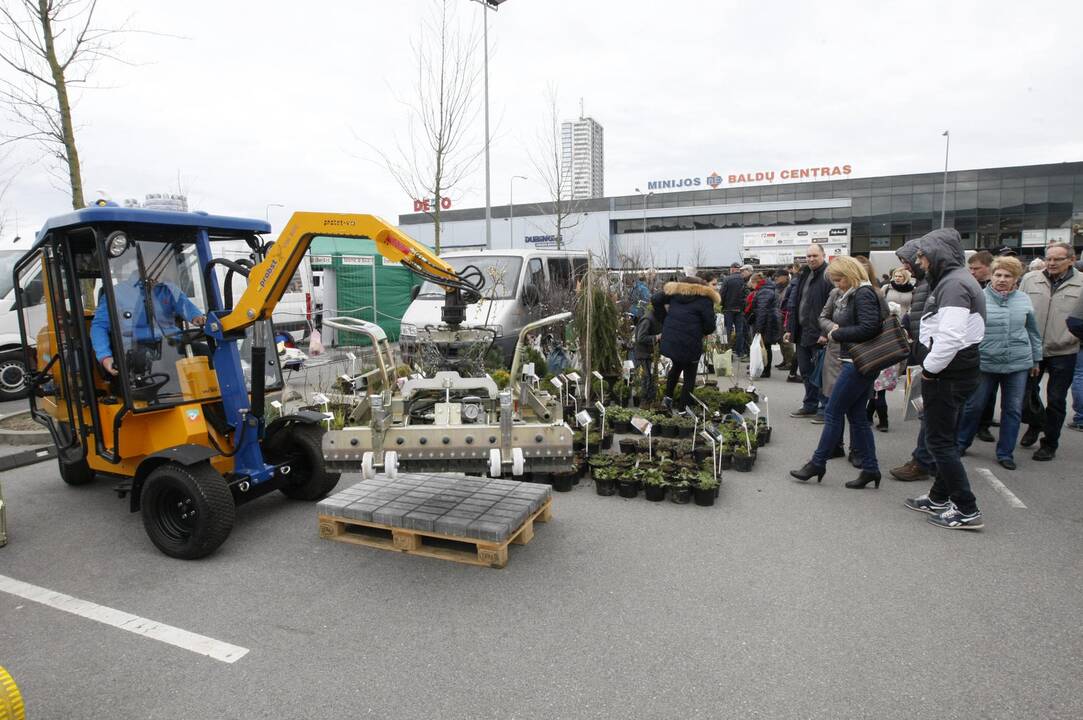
(254, 103)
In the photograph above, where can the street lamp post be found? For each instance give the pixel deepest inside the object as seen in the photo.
(645, 196)
(944, 195)
(486, 6)
(511, 208)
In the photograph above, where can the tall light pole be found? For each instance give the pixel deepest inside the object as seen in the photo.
(511, 208)
(487, 5)
(645, 211)
(944, 196)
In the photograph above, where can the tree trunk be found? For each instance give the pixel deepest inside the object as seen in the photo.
(70, 151)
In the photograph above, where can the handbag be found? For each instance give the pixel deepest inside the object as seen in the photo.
(816, 377)
(884, 350)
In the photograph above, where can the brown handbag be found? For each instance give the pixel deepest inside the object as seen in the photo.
(886, 349)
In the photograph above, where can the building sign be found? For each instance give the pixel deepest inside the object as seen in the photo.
(429, 204)
(780, 247)
(541, 239)
(716, 181)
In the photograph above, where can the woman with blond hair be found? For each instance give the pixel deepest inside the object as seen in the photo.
(1012, 347)
(858, 314)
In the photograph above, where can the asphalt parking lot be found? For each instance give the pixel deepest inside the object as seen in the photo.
(784, 600)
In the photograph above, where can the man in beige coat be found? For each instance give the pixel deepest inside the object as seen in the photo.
(1054, 293)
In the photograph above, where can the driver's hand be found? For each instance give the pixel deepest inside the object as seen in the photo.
(107, 363)
(199, 320)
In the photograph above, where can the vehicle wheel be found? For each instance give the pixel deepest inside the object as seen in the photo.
(12, 376)
(188, 510)
(75, 473)
(302, 447)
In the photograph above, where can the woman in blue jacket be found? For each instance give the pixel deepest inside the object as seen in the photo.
(685, 310)
(1012, 347)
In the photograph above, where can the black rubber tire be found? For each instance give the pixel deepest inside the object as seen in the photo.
(301, 445)
(75, 473)
(13, 385)
(172, 491)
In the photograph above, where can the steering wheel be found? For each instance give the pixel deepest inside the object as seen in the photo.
(149, 385)
(186, 336)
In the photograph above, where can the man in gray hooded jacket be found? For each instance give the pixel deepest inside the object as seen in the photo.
(951, 328)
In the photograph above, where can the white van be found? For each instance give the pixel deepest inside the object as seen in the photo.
(515, 281)
(12, 360)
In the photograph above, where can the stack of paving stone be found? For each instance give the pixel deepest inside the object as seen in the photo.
(454, 505)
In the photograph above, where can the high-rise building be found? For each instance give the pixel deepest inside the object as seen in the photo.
(583, 158)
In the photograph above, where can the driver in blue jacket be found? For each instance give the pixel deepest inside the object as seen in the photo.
(169, 304)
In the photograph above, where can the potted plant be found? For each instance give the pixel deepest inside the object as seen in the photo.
(742, 459)
(701, 452)
(620, 419)
(706, 488)
(654, 484)
(667, 427)
(607, 440)
(725, 458)
(763, 429)
(628, 483)
(605, 480)
(628, 446)
(680, 490)
(685, 427)
(563, 481)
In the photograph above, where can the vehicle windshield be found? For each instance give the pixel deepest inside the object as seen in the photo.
(8, 258)
(501, 273)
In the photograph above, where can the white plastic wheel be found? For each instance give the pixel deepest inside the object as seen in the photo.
(518, 462)
(391, 464)
(367, 470)
(494, 463)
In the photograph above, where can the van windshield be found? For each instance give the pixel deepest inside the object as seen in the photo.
(501, 273)
(8, 258)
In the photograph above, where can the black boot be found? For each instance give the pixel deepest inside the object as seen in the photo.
(809, 471)
(864, 479)
(855, 459)
(881, 414)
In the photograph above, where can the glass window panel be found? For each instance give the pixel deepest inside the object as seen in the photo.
(966, 200)
(922, 203)
(861, 207)
(968, 175)
(859, 228)
(881, 205)
(1036, 195)
(1037, 181)
(964, 223)
(966, 186)
(1011, 200)
(785, 217)
(1060, 194)
(881, 182)
(840, 213)
(920, 226)
(985, 176)
(750, 219)
(1011, 182)
(768, 193)
(1011, 223)
(923, 188)
(900, 228)
(859, 244)
(879, 228)
(1034, 222)
(1013, 240)
(769, 218)
(1060, 180)
(804, 195)
(988, 224)
(684, 223)
(802, 217)
(901, 203)
(989, 199)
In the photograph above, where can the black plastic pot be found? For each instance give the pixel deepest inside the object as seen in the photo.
(685, 432)
(628, 447)
(761, 439)
(607, 441)
(680, 494)
(578, 445)
(562, 482)
(605, 487)
(668, 431)
(627, 488)
(703, 498)
(622, 426)
(701, 453)
(767, 433)
(743, 463)
(726, 461)
(654, 493)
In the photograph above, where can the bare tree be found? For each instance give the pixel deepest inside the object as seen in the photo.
(555, 170)
(437, 153)
(52, 46)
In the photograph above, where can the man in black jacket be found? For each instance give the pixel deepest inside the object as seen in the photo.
(734, 290)
(952, 327)
(807, 300)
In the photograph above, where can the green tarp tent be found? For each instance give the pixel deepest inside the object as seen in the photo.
(356, 264)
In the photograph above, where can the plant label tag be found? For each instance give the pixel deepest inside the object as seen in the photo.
(753, 408)
(598, 376)
(351, 356)
(320, 399)
(528, 370)
(572, 376)
(601, 408)
(557, 383)
(583, 418)
(642, 425)
(276, 405)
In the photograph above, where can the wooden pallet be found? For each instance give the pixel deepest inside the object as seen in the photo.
(471, 551)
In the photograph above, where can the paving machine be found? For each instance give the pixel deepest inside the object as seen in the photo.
(148, 361)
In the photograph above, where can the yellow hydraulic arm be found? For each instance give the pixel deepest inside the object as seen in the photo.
(268, 280)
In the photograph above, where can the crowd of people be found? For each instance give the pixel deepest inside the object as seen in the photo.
(977, 328)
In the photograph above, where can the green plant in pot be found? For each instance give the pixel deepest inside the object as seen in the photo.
(605, 479)
(742, 459)
(706, 488)
(680, 489)
(600, 461)
(628, 483)
(654, 483)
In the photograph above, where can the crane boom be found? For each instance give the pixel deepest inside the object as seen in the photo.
(267, 281)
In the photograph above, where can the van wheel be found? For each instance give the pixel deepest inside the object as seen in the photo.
(12, 376)
(302, 447)
(188, 510)
(77, 472)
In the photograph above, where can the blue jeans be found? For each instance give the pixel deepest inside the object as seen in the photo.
(736, 319)
(1077, 389)
(944, 398)
(847, 402)
(1013, 387)
(806, 361)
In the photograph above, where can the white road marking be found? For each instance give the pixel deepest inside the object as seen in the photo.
(200, 644)
(1002, 488)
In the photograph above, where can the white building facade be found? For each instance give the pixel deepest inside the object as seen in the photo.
(583, 158)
